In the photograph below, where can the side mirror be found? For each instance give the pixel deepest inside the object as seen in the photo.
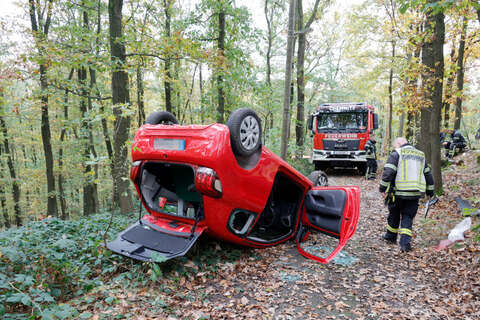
(375, 121)
(310, 122)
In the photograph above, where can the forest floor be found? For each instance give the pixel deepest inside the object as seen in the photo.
(373, 280)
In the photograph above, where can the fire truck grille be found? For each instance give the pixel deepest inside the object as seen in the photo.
(346, 145)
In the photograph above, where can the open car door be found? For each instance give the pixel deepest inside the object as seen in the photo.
(333, 211)
(156, 239)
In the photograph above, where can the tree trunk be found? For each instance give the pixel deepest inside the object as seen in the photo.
(106, 136)
(120, 99)
(448, 92)
(409, 133)
(40, 32)
(401, 124)
(140, 96)
(288, 79)
(268, 72)
(221, 58)
(61, 191)
(91, 143)
(3, 198)
(268, 54)
(88, 191)
(11, 167)
(178, 97)
(200, 88)
(3, 201)
(302, 34)
(432, 58)
(90, 196)
(460, 75)
(167, 64)
(299, 124)
(388, 137)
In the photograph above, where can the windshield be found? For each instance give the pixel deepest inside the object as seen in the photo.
(342, 122)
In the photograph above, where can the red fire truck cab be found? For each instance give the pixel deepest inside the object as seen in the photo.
(340, 131)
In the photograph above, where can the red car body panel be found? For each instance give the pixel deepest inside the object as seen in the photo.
(243, 187)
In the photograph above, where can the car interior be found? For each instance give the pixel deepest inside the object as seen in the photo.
(170, 188)
(279, 216)
(325, 210)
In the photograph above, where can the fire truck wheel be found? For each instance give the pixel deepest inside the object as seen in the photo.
(362, 169)
(245, 132)
(318, 178)
(161, 117)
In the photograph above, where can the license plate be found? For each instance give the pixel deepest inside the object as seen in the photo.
(341, 152)
(169, 144)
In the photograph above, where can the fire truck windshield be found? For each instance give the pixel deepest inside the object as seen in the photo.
(342, 121)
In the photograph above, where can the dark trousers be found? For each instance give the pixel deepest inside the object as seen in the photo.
(371, 168)
(401, 214)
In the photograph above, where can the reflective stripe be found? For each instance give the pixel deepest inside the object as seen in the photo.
(426, 170)
(391, 166)
(406, 231)
(431, 187)
(408, 193)
(391, 229)
(384, 183)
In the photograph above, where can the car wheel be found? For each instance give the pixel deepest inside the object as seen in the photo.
(245, 131)
(161, 117)
(318, 178)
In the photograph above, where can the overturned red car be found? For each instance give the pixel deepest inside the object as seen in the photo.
(219, 180)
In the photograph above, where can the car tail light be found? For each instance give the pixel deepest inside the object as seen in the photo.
(207, 182)
(134, 170)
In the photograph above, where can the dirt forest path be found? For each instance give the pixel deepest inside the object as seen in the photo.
(382, 283)
(372, 280)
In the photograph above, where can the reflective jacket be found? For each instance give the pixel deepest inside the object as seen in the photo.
(407, 173)
(371, 149)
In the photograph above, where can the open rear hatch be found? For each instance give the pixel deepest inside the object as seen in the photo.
(158, 237)
(168, 191)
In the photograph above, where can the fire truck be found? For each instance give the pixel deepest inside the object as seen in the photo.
(340, 131)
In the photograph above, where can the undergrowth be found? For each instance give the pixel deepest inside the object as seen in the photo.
(48, 262)
(49, 267)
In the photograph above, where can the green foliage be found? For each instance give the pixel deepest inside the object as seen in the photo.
(46, 262)
(476, 229)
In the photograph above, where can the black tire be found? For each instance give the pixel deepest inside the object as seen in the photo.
(318, 178)
(362, 169)
(322, 166)
(245, 132)
(161, 117)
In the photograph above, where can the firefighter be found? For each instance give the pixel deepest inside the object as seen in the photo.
(458, 143)
(371, 150)
(406, 177)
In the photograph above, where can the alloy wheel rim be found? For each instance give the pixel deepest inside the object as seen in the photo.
(249, 132)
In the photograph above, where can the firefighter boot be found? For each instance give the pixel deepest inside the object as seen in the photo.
(390, 237)
(405, 245)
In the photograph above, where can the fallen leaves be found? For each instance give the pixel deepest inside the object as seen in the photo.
(277, 283)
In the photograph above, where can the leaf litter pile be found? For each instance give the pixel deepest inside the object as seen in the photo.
(370, 279)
